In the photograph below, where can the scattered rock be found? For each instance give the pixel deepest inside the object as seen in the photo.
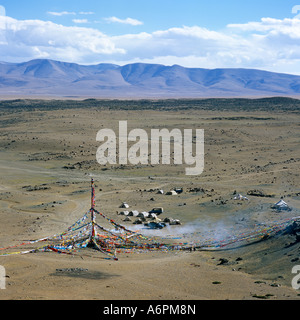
(259, 193)
(72, 270)
(223, 261)
(36, 188)
(276, 285)
(195, 189)
(195, 265)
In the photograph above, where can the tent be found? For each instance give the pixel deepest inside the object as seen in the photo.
(171, 193)
(281, 205)
(240, 197)
(124, 205)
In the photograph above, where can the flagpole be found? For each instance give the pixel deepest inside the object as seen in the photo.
(92, 208)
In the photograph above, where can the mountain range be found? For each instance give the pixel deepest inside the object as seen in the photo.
(43, 77)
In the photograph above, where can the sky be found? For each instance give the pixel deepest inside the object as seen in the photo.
(259, 34)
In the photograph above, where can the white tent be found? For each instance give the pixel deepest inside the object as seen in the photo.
(240, 197)
(143, 214)
(133, 213)
(281, 205)
(171, 193)
(124, 205)
(124, 213)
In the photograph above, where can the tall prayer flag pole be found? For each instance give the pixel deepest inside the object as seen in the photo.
(93, 208)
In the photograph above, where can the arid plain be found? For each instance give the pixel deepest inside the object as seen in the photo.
(48, 156)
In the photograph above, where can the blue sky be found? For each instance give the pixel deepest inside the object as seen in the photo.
(155, 14)
(261, 34)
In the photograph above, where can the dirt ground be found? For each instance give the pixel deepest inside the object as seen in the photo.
(47, 158)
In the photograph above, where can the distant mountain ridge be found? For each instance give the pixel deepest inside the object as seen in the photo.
(43, 77)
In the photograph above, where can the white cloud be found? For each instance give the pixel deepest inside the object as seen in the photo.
(86, 12)
(62, 13)
(80, 20)
(269, 44)
(267, 24)
(130, 21)
(205, 46)
(30, 39)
